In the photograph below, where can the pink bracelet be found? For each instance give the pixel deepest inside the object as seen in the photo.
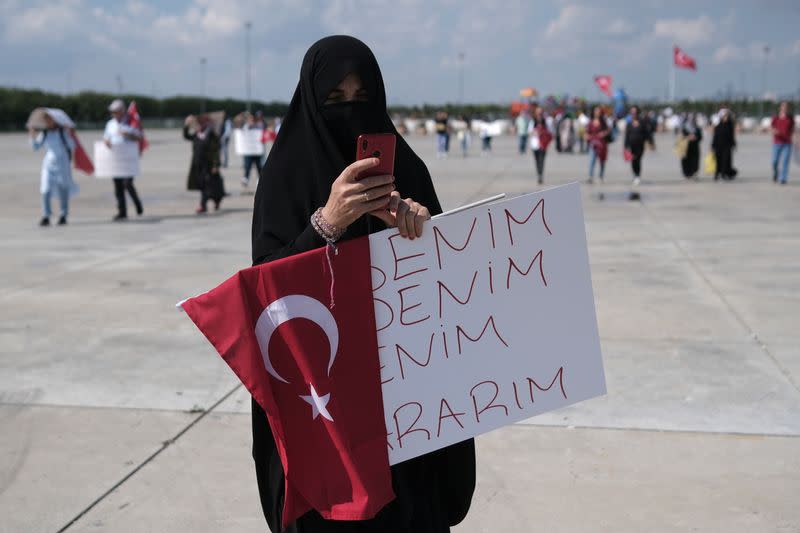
(325, 229)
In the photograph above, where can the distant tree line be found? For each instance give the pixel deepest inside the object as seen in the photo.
(89, 109)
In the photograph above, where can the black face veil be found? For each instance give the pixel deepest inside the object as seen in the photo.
(316, 142)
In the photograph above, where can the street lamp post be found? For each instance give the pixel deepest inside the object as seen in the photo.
(247, 26)
(763, 82)
(461, 78)
(203, 62)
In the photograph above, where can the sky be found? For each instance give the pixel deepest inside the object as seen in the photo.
(155, 47)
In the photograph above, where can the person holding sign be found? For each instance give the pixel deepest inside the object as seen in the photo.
(254, 123)
(311, 193)
(56, 171)
(119, 132)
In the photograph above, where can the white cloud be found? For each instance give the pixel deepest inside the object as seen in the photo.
(41, 22)
(589, 30)
(731, 52)
(390, 26)
(686, 32)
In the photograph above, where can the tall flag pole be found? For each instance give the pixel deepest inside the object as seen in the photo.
(683, 60)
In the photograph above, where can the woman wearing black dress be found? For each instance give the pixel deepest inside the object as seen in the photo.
(637, 133)
(204, 173)
(690, 163)
(723, 143)
(310, 173)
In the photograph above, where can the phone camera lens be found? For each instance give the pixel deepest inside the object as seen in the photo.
(364, 145)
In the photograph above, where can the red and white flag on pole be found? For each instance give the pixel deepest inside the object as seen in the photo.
(314, 368)
(135, 121)
(682, 59)
(604, 84)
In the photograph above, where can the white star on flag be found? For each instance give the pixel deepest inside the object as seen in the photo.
(318, 404)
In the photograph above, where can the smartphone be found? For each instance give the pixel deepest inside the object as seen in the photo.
(380, 145)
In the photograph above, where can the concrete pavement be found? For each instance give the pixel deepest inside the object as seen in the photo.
(118, 416)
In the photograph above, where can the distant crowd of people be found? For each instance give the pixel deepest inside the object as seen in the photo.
(209, 133)
(592, 133)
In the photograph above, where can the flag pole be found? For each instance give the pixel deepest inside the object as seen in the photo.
(672, 82)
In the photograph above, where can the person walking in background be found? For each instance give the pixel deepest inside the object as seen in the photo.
(540, 138)
(583, 122)
(204, 173)
(118, 132)
(723, 143)
(690, 163)
(56, 176)
(267, 139)
(464, 135)
(521, 123)
(442, 134)
(252, 123)
(597, 134)
(225, 139)
(637, 133)
(782, 130)
(566, 133)
(485, 133)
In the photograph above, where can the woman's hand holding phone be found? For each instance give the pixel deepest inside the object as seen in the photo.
(352, 196)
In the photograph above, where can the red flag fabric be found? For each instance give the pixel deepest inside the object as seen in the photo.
(604, 84)
(682, 59)
(314, 369)
(135, 121)
(82, 161)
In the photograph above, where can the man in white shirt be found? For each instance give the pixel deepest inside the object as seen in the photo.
(118, 132)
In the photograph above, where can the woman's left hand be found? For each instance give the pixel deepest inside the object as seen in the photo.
(404, 214)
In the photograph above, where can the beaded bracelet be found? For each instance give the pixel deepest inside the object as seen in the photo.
(326, 230)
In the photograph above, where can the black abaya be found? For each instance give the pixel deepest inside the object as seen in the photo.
(433, 491)
(690, 163)
(204, 170)
(723, 143)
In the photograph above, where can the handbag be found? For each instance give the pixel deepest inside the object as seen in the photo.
(710, 164)
(627, 155)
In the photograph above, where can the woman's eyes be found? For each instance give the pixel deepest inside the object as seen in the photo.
(337, 97)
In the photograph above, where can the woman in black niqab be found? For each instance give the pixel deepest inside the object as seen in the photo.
(317, 143)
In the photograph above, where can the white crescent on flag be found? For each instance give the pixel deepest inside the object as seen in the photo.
(285, 309)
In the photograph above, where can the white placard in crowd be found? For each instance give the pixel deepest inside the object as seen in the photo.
(247, 142)
(119, 161)
(486, 320)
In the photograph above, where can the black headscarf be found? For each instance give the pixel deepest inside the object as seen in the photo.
(314, 145)
(316, 142)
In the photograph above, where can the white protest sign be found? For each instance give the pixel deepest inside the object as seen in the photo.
(119, 161)
(486, 320)
(247, 142)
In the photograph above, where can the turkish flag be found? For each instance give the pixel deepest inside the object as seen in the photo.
(82, 161)
(604, 84)
(682, 59)
(135, 121)
(313, 366)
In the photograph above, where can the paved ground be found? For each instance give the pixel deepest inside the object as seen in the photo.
(117, 415)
